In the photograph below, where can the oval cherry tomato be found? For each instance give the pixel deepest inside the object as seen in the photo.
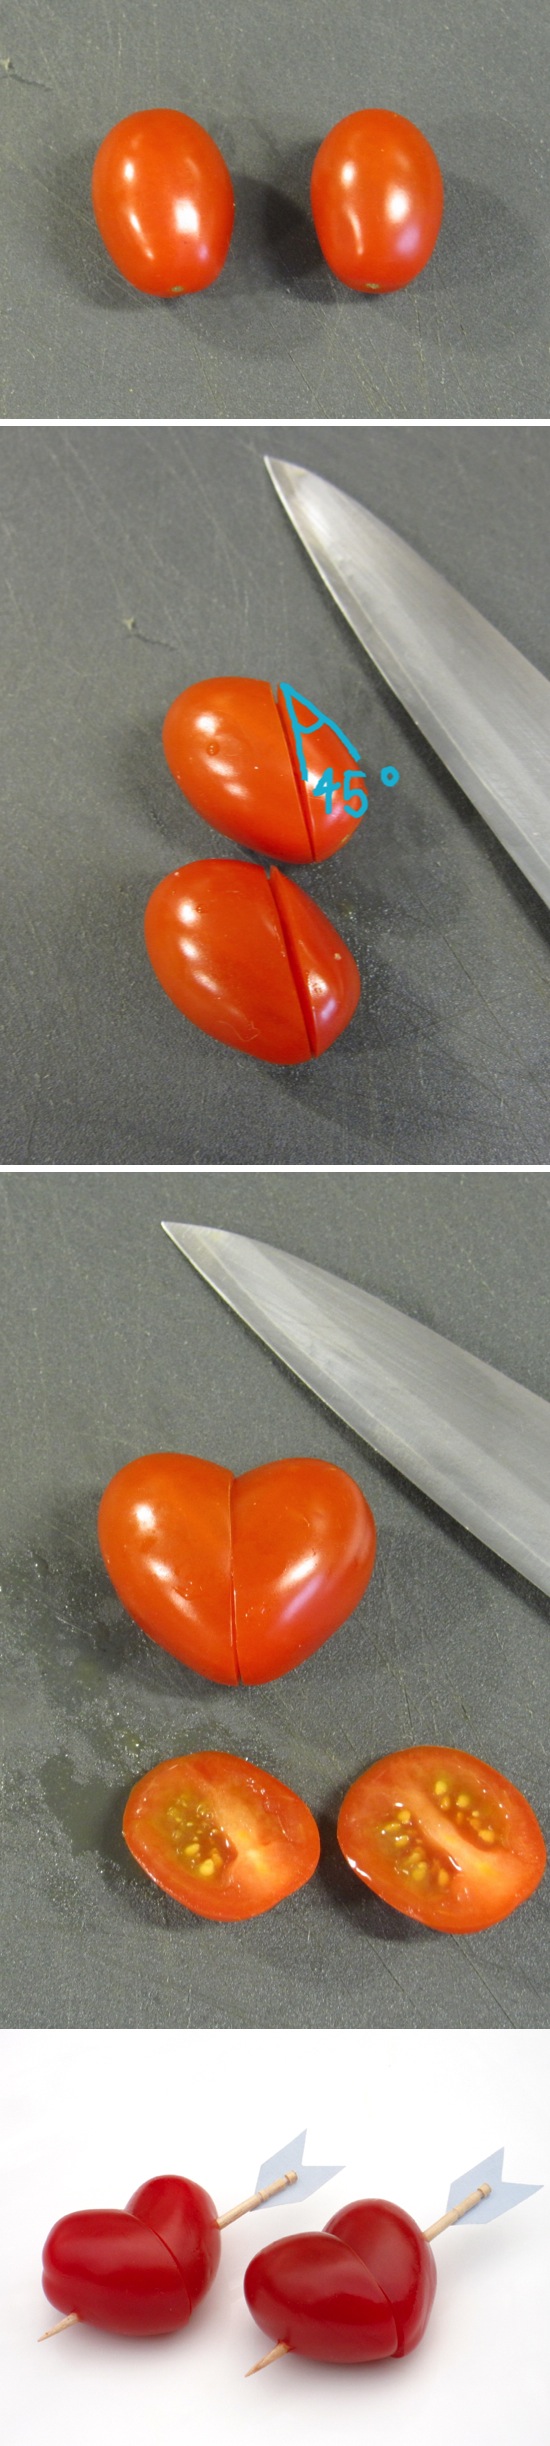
(443, 1838)
(137, 2271)
(241, 1578)
(250, 960)
(163, 202)
(220, 1835)
(377, 200)
(233, 752)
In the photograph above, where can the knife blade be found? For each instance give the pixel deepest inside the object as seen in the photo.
(474, 1440)
(481, 705)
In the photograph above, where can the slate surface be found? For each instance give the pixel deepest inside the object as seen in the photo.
(115, 1347)
(133, 563)
(276, 336)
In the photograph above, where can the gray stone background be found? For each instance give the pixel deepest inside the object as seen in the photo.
(133, 563)
(114, 1347)
(277, 336)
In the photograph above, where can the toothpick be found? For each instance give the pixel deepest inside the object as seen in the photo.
(430, 2232)
(72, 2321)
(255, 2201)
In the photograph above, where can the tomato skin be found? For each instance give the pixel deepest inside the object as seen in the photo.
(377, 200)
(115, 2273)
(240, 1578)
(163, 202)
(315, 2295)
(473, 1877)
(231, 748)
(398, 2256)
(250, 961)
(186, 2219)
(271, 1836)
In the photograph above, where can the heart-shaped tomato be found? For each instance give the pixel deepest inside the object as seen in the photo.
(234, 753)
(395, 2252)
(137, 2271)
(241, 1578)
(251, 960)
(315, 2295)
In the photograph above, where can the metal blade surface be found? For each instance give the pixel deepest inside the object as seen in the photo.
(471, 1438)
(482, 706)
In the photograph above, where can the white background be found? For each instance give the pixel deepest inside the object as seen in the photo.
(87, 2115)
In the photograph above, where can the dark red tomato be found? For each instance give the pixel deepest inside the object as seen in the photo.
(163, 202)
(250, 960)
(397, 2255)
(443, 1838)
(220, 1835)
(315, 2295)
(233, 752)
(377, 200)
(241, 1578)
(138, 2271)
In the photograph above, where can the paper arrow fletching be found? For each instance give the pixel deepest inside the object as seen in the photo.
(502, 2195)
(309, 2178)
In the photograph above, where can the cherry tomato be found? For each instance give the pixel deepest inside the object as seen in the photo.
(137, 2271)
(220, 1835)
(377, 200)
(163, 202)
(250, 960)
(443, 1838)
(233, 752)
(360, 2291)
(241, 1578)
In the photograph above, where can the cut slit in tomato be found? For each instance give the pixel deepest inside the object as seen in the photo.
(443, 1838)
(220, 1835)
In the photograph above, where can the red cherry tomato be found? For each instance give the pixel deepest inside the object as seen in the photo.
(377, 200)
(137, 2271)
(220, 1835)
(163, 202)
(397, 2254)
(241, 1578)
(233, 752)
(360, 2291)
(443, 1838)
(250, 960)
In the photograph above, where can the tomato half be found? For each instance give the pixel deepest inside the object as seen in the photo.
(233, 751)
(250, 960)
(163, 202)
(377, 200)
(220, 1835)
(442, 1837)
(240, 1578)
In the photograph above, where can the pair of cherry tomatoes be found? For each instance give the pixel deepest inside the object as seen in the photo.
(164, 203)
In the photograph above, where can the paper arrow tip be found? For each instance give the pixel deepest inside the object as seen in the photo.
(309, 2178)
(502, 2195)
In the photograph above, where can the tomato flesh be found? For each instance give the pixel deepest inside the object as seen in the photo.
(443, 1838)
(250, 960)
(232, 750)
(377, 200)
(220, 1835)
(163, 202)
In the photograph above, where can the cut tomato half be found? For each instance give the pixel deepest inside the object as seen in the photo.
(442, 1837)
(220, 1835)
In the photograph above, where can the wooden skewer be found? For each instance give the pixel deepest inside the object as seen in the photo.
(430, 2232)
(231, 2214)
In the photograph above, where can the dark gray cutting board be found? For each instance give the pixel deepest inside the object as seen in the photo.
(114, 1347)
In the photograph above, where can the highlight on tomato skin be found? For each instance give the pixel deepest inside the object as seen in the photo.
(220, 1835)
(163, 201)
(377, 200)
(442, 1837)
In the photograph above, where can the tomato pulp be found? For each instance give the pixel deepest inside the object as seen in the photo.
(137, 2271)
(360, 2291)
(233, 751)
(220, 1835)
(377, 200)
(163, 202)
(250, 960)
(241, 1578)
(443, 1838)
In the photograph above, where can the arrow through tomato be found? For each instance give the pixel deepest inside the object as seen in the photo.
(443, 1838)
(137, 2271)
(241, 1578)
(221, 1835)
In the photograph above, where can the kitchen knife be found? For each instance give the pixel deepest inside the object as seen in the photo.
(483, 707)
(472, 1439)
